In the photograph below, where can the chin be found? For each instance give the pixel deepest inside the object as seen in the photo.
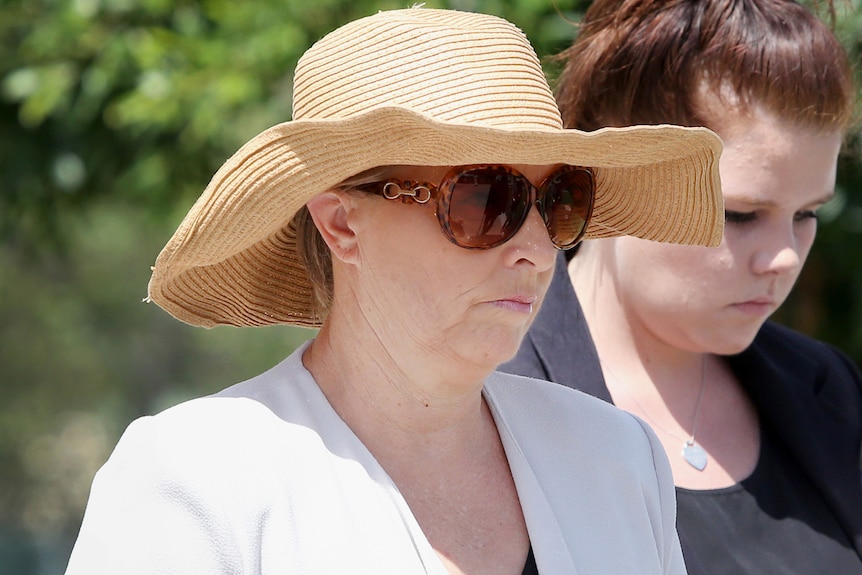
(734, 345)
(495, 352)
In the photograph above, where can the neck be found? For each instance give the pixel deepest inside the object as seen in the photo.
(632, 356)
(392, 401)
(679, 392)
(621, 340)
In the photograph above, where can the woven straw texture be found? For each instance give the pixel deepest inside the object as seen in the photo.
(414, 87)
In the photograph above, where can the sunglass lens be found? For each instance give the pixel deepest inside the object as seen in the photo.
(567, 205)
(486, 207)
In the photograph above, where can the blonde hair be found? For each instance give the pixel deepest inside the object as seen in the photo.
(313, 252)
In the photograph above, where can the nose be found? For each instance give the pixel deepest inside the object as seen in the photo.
(532, 244)
(781, 256)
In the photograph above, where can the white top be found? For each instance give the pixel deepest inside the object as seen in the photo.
(265, 478)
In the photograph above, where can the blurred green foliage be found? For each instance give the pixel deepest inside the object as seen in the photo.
(113, 116)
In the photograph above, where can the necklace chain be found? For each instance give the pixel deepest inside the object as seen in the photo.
(693, 453)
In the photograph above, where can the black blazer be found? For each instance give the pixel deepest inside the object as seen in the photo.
(808, 391)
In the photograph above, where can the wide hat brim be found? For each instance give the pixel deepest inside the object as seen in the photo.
(233, 259)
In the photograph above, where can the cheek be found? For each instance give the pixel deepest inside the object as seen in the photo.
(739, 243)
(805, 239)
(672, 268)
(399, 233)
(675, 281)
(407, 263)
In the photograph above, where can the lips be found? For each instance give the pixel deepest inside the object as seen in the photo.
(519, 303)
(522, 299)
(757, 306)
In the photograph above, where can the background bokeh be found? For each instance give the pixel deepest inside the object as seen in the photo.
(113, 116)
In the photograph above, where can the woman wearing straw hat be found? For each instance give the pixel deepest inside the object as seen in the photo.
(395, 212)
(762, 425)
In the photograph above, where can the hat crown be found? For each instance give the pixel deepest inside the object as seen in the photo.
(450, 66)
(414, 87)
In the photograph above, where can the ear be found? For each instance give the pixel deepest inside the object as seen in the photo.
(331, 213)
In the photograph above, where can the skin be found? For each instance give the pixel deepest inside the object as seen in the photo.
(661, 313)
(419, 323)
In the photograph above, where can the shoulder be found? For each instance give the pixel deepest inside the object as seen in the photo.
(254, 403)
(776, 337)
(801, 382)
(798, 356)
(189, 489)
(221, 437)
(567, 420)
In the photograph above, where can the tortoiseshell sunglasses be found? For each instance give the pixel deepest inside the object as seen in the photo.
(483, 206)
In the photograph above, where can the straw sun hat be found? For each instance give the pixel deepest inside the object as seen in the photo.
(414, 87)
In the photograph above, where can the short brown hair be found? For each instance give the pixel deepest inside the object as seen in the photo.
(644, 62)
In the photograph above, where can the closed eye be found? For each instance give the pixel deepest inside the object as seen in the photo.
(739, 217)
(732, 217)
(805, 215)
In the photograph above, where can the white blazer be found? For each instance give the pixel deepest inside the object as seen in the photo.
(265, 478)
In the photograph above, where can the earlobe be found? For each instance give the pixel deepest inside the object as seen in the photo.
(330, 212)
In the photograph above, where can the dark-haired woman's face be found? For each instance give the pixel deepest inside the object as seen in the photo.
(775, 176)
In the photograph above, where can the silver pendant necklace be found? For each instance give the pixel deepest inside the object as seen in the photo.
(692, 452)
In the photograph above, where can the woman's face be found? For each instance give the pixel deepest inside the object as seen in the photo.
(774, 178)
(420, 292)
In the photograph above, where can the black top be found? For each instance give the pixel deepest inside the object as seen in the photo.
(808, 396)
(737, 529)
(530, 567)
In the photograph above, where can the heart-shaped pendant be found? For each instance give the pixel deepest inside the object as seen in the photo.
(694, 454)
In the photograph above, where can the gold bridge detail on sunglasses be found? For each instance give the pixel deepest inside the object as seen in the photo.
(419, 193)
(480, 207)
